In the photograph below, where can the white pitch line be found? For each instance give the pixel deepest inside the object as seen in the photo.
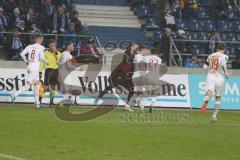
(10, 157)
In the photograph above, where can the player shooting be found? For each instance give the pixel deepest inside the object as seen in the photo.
(122, 75)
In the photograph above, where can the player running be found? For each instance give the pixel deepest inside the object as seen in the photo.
(35, 54)
(217, 65)
(63, 61)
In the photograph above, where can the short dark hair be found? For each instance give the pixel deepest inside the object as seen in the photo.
(221, 46)
(69, 43)
(51, 41)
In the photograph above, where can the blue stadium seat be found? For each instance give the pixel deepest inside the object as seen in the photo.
(189, 35)
(181, 24)
(157, 36)
(204, 36)
(195, 25)
(195, 36)
(174, 35)
(199, 50)
(208, 25)
(143, 11)
(230, 51)
(225, 26)
(231, 14)
(238, 38)
(223, 37)
(231, 37)
(237, 26)
(118, 34)
(205, 2)
(202, 14)
(150, 24)
(104, 2)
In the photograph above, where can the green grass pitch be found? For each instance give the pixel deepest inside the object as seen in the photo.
(38, 135)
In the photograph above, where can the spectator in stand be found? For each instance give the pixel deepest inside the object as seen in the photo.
(9, 6)
(214, 39)
(90, 48)
(16, 18)
(31, 16)
(3, 26)
(71, 36)
(190, 9)
(59, 20)
(219, 8)
(165, 45)
(47, 13)
(16, 44)
(193, 62)
(33, 29)
(68, 19)
(183, 46)
(21, 26)
(3, 21)
(85, 30)
(76, 21)
(24, 6)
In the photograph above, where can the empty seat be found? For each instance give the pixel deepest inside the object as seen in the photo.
(195, 25)
(150, 24)
(143, 11)
(118, 34)
(205, 2)
(157, 36)
(202, 14)
(199, 50)
(231, 37)
(237, 26)
(208, 25)
(181, 24)
(225, 26)
(230, 51)
(203, 36)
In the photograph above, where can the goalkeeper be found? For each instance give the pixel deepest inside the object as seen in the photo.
(51, 81)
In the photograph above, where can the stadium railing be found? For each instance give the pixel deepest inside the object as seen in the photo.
(6, 42)
(200, 48)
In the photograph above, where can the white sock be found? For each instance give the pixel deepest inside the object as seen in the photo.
(36, 94)
(216, 109)
(22, 90)
(206, 98)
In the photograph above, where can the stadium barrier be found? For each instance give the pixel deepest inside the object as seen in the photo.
(188, 89)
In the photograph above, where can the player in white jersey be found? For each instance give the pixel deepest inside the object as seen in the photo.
(153, 62)
(139, 70)
(217, 66)
(65, 58)
(147, 69)
(35, 54)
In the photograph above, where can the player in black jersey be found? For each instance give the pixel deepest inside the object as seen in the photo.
(122, 74)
